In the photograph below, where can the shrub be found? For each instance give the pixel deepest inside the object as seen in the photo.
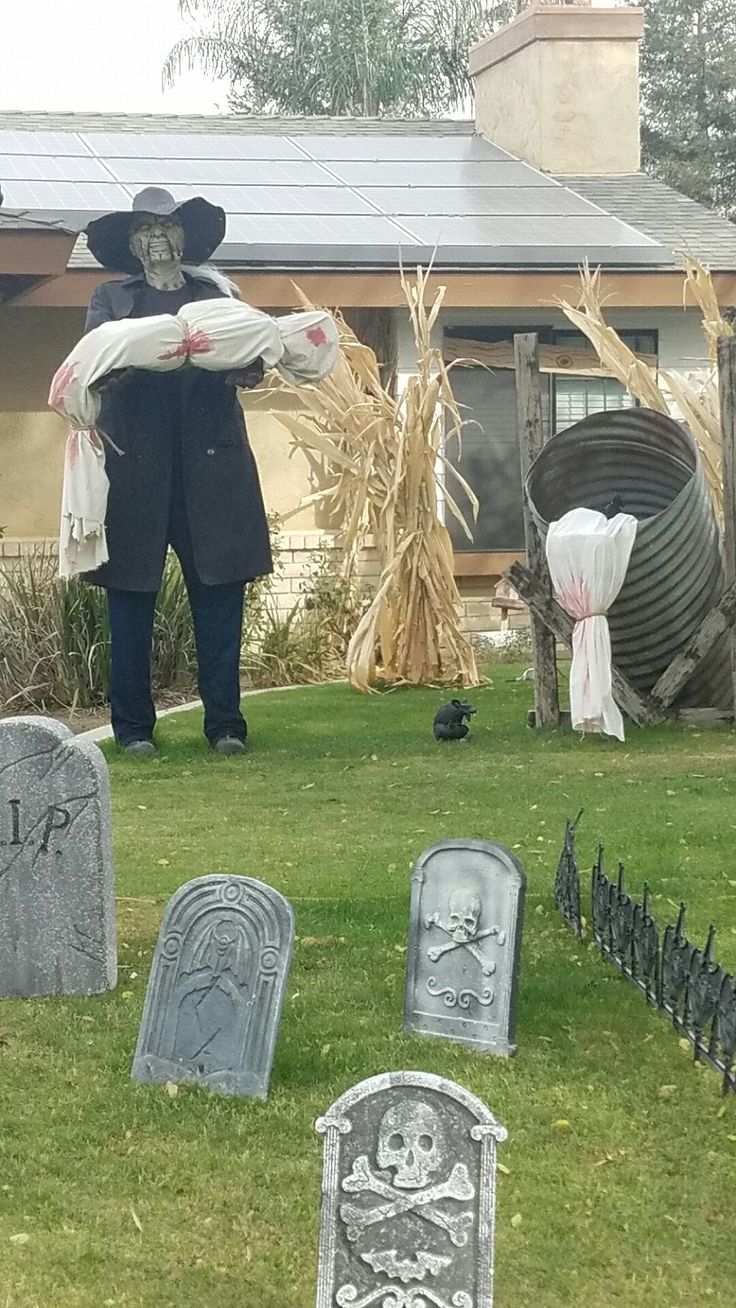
(55, 640)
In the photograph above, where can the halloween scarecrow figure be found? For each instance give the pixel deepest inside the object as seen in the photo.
(180, 469)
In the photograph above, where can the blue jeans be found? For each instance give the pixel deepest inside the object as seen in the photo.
(217, 613)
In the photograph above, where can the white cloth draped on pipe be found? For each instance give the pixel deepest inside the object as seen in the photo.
(219, 335)
(588, 555)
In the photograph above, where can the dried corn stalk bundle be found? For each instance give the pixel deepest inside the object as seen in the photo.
(621, 362)
(377, 460)
(692, 396)
(699, 285)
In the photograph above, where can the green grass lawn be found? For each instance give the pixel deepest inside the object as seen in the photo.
(125, 1196)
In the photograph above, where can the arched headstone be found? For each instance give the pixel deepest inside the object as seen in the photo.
(216, 989)
(408, 1196)
(57, 887)
(464, 953)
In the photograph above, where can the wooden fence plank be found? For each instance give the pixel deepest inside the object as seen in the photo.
(720, 618)
(531, 440)
(727, 390)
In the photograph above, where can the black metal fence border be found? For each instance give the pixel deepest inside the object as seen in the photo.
(682, 981)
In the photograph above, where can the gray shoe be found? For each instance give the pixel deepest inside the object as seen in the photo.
(229, 745)
(140, 749)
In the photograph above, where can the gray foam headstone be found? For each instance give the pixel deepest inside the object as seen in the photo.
(464, 952)
(217, 986)
(57, 887)
(408, 1196)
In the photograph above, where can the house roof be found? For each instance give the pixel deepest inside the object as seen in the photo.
(683, 225)
(345, 193)
(14, 220)
(331, 193)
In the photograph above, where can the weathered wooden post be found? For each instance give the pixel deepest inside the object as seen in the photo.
(727, 388)
(531, 440)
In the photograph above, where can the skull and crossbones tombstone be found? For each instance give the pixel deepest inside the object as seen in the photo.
(462, 925)
(465, 928)
(408, 1193)
(409, 1152)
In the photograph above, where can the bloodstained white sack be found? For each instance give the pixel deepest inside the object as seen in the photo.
(82, 543)
(588, 555)
(225, 335)
(132, 343)
(311, 345)
(222, 335)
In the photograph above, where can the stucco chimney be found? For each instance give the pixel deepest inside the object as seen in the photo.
(559, 86)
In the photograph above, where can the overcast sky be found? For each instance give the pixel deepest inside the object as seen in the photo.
(98, 55)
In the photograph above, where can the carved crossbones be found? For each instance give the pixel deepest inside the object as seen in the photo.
(422, 1202)
(438, 951)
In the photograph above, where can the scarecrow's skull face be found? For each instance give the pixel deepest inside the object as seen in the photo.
(465, 911)
(157, 242)
(409, 1143)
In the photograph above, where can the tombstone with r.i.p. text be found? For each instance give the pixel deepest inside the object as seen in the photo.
(57, 889)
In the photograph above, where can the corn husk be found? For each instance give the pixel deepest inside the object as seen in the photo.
(690, 397)
(377, 460)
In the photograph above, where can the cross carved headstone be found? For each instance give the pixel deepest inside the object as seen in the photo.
(57, 888)
(408, 1196)
(216, 989)
(464, 952)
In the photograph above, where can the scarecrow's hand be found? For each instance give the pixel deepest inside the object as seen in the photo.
(246, 378)
(111, 381)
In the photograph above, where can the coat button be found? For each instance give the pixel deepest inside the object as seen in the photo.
(210, 451)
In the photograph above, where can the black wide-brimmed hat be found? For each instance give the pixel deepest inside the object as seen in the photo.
(203, 223)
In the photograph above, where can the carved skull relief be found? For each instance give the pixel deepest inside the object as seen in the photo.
(409, 1142)
(465, 911)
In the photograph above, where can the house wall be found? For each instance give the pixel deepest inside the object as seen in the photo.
(682, 344)
(34, 341)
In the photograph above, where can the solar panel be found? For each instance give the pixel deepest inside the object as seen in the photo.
(478, 173)
(526, 232)
(475, 201)
(226, 172)
(190, 145)
(279, 199)
(52, 143)
(58, 197)
(316, 229)
(410, 148)
(47, 168)
(316, 198)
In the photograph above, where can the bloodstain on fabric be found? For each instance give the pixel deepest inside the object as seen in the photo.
(196, 342)
(199, 342)
(181, 351)
(317, 335)
(64, 379)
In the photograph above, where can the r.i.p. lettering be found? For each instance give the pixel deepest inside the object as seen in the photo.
(55, 819)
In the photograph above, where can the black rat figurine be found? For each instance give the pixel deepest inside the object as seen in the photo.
(449, 721)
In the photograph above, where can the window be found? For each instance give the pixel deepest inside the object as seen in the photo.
(577, 397)
(490, 443)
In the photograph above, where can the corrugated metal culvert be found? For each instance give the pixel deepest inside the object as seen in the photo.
(650, 465)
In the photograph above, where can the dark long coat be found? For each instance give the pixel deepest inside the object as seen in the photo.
(222, 493)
